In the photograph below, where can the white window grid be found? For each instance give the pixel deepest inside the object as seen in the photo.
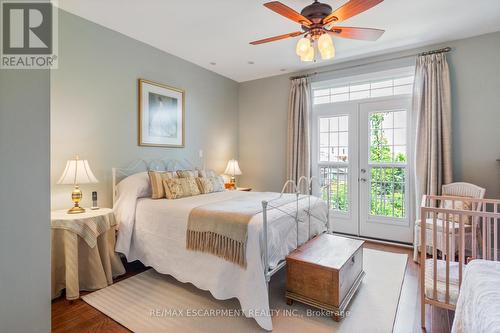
(361, 90)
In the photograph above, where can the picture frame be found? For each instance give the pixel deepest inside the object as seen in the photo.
(161, 115)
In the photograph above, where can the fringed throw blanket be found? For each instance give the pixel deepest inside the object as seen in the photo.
(221, 228)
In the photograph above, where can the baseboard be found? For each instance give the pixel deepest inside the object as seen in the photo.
(376, 240)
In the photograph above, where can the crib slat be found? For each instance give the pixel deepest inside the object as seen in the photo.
(461, 249)
(434, 255)
(495, 239)
(447, 231)
(474, 225)
(423, 254)
(484, 237)
(453, 236)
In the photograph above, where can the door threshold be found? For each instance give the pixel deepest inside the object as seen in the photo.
(376, 240)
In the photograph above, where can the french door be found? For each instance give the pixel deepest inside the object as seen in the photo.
(360, 149)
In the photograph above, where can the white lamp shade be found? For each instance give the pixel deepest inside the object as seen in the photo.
(77, 172)
(232, 169)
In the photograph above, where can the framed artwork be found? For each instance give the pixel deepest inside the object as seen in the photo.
(161, 115)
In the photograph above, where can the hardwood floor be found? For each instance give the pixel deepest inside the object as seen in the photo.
(78, 316)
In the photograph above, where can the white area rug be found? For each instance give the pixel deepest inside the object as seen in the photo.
(150, 302)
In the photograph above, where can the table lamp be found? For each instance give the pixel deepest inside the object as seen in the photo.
(77, 172)
(233, 169)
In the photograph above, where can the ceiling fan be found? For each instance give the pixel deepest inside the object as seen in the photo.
(318, 21)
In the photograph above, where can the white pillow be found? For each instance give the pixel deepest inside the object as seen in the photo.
(137, 184)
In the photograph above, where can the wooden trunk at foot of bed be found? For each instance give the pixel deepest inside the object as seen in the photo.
(481, 222)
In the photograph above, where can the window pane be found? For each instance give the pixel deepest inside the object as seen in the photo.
(381, 92)
(334, 139)
(359, 87)
(343, 139)
(323, 154)
(323, 124)
(402, 90)
(400, 154)
(340, 98)
(400, 136)
(381, 84)
(387, 192)
(334, 124)
(321, 92)
(403, 80)
(322, 100)
(399, 119)
(337, 179)
(340, 90)
(360, 94)
(343, 123)
(323, 139)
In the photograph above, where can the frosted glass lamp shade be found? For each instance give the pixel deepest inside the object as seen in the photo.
(77, 172)
(232, 169)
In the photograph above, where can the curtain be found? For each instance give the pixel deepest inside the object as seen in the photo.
(298, 149)
(432, 108)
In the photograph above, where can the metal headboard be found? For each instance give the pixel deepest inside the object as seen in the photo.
(140, 165)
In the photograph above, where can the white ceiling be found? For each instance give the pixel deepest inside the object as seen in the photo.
(218, 31)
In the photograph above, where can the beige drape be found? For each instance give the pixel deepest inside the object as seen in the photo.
(432, 108)
(298, 150)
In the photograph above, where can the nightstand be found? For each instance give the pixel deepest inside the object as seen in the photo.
(83, 256)
(244, 189)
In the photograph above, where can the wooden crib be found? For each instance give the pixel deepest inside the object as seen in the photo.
(441, 278)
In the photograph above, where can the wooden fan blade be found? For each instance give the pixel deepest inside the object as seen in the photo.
(357, 33)
(287, 12)
(350, 9)
(272, 39)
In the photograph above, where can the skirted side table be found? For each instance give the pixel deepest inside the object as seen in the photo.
(83, 255)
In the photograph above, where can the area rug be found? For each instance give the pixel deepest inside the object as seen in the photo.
(151, 302)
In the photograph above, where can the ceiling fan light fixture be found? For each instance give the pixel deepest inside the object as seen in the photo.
(303, 46)
(327, 52)
(309, 56)
(325, 43)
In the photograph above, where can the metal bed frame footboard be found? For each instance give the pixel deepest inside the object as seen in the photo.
(268, 205)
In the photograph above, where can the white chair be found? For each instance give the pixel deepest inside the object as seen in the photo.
(464, 190)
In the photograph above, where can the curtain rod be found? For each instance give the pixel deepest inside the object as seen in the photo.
(443, 50)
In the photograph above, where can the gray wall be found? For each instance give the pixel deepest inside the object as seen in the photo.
(94, 105)
(475, 66)
(24, 201)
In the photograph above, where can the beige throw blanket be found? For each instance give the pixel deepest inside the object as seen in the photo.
(221, 228)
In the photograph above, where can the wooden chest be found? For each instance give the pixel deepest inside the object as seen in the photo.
(325, 273)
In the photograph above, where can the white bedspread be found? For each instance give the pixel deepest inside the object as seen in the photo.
(154, 232)
(478, 307)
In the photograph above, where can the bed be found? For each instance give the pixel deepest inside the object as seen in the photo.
(154, 232)
(478, 307)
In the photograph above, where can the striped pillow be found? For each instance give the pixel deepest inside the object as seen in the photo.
(205, 185)
(176, 188)
(156, 178)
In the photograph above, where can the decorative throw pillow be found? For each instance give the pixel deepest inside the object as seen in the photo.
(187, 173)
(205, 185)
(156, 178)
(180, 187)
(218, 183)
(202, 173)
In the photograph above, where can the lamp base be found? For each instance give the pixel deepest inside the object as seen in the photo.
(76, 197)
(76, 210)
